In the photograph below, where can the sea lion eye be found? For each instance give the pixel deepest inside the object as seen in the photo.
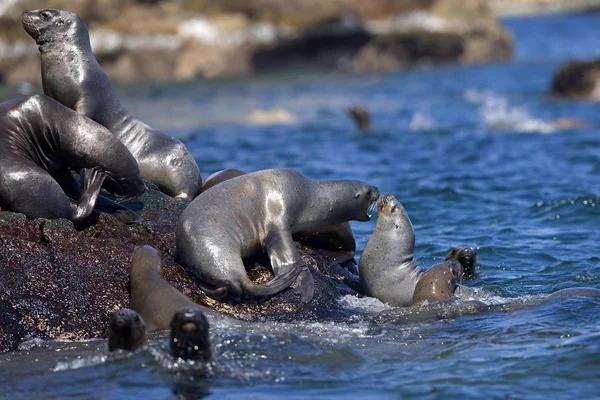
(392, 210)
(369, 193)
(46, 15)
(357, 195)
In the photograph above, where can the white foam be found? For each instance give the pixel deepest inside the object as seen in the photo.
(421, 122)
(369, 304)
(497, 114)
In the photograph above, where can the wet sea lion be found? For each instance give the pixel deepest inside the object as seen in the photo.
(361, 116)
(41, 141)
(467, 257)
(259, 211)
(338, 240)
(151, 295)
(71, 75)
(387, 268)
(189, 338)
(126, 331)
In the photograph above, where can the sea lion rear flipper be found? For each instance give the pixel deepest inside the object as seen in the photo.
(118, 211)
(285, 258)
(305, 285)
(275, 285)
(91, 182)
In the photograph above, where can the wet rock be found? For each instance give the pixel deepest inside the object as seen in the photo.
(577, 80)
(59, 282)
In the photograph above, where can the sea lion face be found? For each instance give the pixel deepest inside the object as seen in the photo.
(179, 175)
(46, 24)
(127, 330)
(189, 335)
(365, 197)
(392, 216)
(128, 187)
(467, 257)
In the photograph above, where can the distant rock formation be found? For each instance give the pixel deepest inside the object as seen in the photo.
(179, 40)
(577, 80)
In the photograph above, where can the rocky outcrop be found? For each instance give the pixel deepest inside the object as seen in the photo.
(168, 39)
(577, 80)
(59, 282)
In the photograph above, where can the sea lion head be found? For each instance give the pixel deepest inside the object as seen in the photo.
(128, 186)
(393, 218)
(127, 330)
(189, 335)
(46, 25)
(365, 200)
(180, 177)
(467, 257)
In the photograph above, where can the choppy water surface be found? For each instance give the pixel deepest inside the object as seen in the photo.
(475, 158)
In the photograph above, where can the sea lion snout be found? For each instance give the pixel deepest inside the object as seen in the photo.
(189, 335)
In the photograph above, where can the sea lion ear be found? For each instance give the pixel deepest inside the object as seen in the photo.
(397, 226)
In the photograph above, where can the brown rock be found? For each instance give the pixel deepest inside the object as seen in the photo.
(58, 282)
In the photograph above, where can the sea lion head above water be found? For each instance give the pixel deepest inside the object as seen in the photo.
(47, 25)
(189, 335)
(467, 257)
(127, 331)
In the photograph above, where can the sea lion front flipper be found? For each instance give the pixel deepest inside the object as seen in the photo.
(284, 257)
(118, 211)
(91, 181)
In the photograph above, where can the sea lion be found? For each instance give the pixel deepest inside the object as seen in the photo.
(260, 211)
(387, 268)
(337, 240)
(151, 295)
(574, 292)
(189, 338)
(467, 257)
(126, 331)
(71, 75)
(361, 116)
(41, 141)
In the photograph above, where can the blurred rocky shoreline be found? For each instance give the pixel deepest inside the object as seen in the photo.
(149, 40)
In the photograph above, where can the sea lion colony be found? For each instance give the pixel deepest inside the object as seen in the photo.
(81, 128)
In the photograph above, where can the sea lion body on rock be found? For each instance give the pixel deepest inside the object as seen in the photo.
(387, 268)
(155, 299)
(337, 239)
(41, 141)
(71, 75)
(241, 217)
(126, 331)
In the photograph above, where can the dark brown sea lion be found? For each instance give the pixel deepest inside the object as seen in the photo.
(41, 142)
(241, 217)
(71, 75)
(361, 116)
(127, 331)
(467, 257)
(151, 295)
(189, 338)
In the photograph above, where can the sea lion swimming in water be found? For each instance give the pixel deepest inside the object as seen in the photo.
(337, 240)
(241, 217)
(151, 295)
(126, 331)
(189, 338)
(41, 141)
(387, 268)
(72, 76)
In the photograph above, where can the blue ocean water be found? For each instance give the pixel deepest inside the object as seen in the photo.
(475, 157)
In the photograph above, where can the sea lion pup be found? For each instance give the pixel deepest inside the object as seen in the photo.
(126, 331)
(151, 295)
(41, 141)
(71, 75)
(189, 338)
(337, 240)
(259, 211)
(467, 257)
(387, 268)
(361, 116)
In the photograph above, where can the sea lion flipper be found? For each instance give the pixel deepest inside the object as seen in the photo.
(91, 182)
(284, 257)
(118, 211)
(305, 285)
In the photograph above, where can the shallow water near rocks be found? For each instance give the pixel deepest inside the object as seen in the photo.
(472, 154)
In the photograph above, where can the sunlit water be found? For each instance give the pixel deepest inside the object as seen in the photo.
(473, 155)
